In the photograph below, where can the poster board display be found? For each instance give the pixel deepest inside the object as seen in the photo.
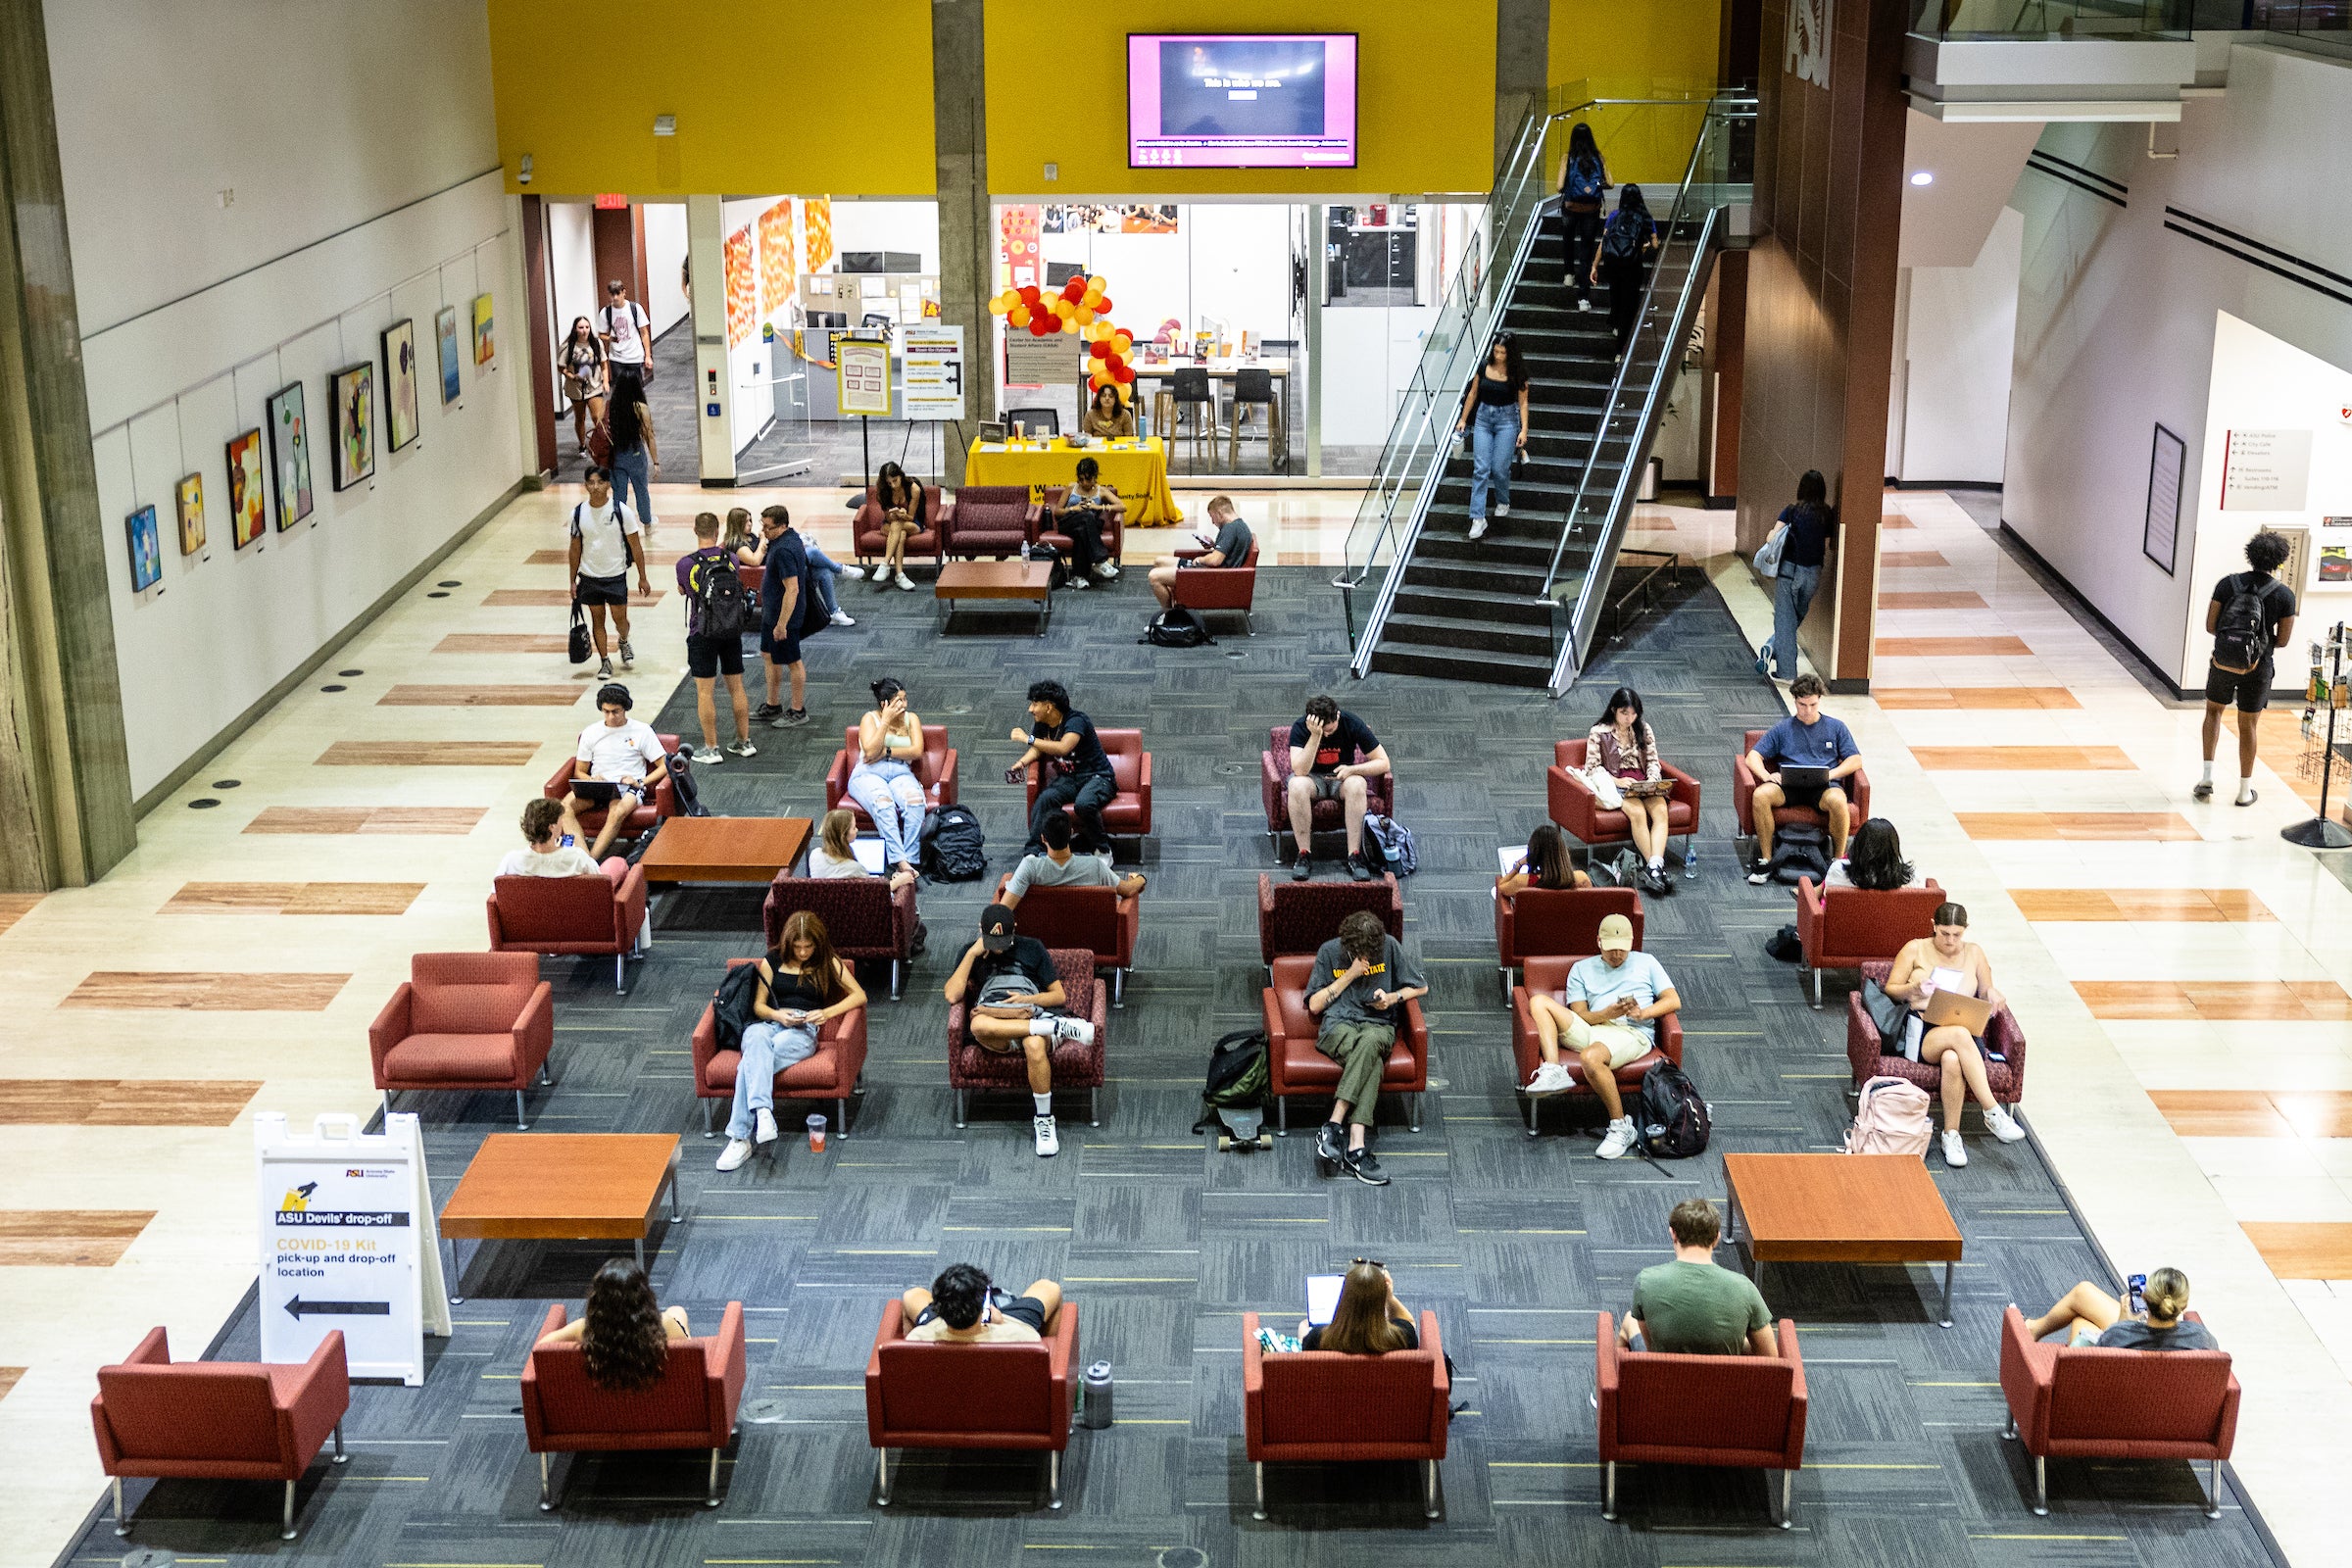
(934, 357)
(861, 376)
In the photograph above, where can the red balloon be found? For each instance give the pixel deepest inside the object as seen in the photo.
(1122, 374)
(1074, 290)
(1103, 310)
(1029, 293)
(1098, 351)
(1040, 325)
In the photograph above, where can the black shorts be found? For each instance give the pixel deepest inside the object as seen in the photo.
(2249, 692)
(707, 657)
(602, 590)
(1020, 1309)
(785, 650)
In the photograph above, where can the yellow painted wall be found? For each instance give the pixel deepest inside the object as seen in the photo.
(770, 95)
(1058, 93)
(1637, 49)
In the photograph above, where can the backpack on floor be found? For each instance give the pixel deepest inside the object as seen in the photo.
(1800, 850)
(1784, 945)
(1669, 1117)
(1587, 180)
(1891, 1117)
(1389, 846)
(2241, 632)
(952, 848)
(731, 1005)
(682, 787)
(1235, 1091)
(1177, 627)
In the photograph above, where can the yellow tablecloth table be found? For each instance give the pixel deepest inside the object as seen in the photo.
(1137, 470)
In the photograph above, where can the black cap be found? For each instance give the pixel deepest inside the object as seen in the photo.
(996, 928)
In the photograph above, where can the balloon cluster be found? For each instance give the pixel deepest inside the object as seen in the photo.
(1081, 305)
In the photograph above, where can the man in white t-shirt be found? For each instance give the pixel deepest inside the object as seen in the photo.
(623, 326)
(620, 763)
(606, 541)
(553, 844)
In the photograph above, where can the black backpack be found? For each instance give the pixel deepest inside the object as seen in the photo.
(1799, 850)
(1622, 242)
(1238, 1076)
(1177, 627)
(1670, 1117)
(723, 604)
(731, 1005)
(2241, 633)
(952, 848)
(1784, 945)
(682, 787)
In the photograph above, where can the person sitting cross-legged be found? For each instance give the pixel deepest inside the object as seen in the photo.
(1610, 1019)
(1333, 755)
(961, 1307)
(2093, 1318)
(1948, 960)
(1058, 867)
(1366, 979)
(1694, 1305)
(1017, 1000)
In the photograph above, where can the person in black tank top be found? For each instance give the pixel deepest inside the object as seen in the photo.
(1494, 415)
(803, 987)
(2250, 617)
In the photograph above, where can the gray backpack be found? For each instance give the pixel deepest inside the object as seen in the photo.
(1389, 846)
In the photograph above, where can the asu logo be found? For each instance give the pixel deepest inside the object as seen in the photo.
(297, 1198)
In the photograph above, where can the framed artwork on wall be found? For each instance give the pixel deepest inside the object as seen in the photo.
(291, 456)
(189, 496)
(445, 332)
(2160, 530)
(400, 384)
(351, 393)
(146, 550)
(248, 512)
(485, 339)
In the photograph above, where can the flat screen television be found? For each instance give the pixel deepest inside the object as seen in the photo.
(1200, 100)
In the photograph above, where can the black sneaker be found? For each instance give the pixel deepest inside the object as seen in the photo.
(1301, 868)
(767, 711)
(1759, 872)
(1358, 869)
(1364, 1167)
(792, 719)
(1329, 1151)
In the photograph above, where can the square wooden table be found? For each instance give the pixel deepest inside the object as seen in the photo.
(561, 1187)
(725, 848)
(1841, 1209)
(995, 579)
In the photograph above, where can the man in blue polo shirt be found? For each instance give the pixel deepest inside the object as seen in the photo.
(1806, 738)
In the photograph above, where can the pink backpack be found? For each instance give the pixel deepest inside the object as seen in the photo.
(1891, 1117)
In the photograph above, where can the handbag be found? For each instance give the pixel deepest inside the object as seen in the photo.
(1768, 553)
(1604, 788)
(581, 647)
(1886, 1015)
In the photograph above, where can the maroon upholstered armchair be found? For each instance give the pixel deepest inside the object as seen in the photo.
(989, 519)
(1581, 815)
(2116, 1404)
(1548, 976)
(970, 1067)
(1847, 927)
(465, 1022)
(1203, 589)
(1869, 1058)
(1320, 1405)
(935, 770)
(1294, 1066)
(1114, 525)
(692, 1406)
(1094, 918)
(641, 819)
(1737, 1412)
(1544, 922)
(863, 918)
(1301, 916)
(219, 1420)
(1743, 788)
(866, 528)
(1326, 816)
(1129, 812)
(926, 1394)
(574, 914)
(831, 1072)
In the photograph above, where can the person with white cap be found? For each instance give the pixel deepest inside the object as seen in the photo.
(1609, 1019)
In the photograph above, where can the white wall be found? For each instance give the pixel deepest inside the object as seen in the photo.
(1952, 369)
(1368, 359)
(572, 262)
(665, 255)
(888, 227)
(365, 193)
(2116, 318)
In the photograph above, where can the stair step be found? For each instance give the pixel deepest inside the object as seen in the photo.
(1486, 670)
(1518, 609)
(1452, 577)
(1455, 632)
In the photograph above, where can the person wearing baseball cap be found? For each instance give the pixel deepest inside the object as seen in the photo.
(1011, 1010)
(1609, 1020)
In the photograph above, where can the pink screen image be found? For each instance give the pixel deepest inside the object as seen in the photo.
(1241, 101)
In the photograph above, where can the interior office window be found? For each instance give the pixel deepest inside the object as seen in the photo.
(1373, 252)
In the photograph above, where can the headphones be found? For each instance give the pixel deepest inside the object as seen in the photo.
(613, 692)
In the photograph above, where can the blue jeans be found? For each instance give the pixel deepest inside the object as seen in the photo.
(768, 1046)
(893, 796)
(1493, 437)
(634, 469)
(1791, 597)
(824, 570)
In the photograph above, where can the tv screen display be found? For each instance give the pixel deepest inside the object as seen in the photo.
(1241, 101)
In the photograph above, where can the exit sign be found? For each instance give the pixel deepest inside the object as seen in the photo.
(610, 204)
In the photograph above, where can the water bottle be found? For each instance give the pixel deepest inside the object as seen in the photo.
(1094, 1405)
(1024, 552)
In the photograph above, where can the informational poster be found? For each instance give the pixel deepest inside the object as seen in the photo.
(934, 371)
(348, 1242)
(2266, 470)
(861, 373)
(1031, 360)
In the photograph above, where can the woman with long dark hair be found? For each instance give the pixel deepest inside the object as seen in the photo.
(903, 505)
(883, 782)
(1623, 258)
(585, 375)
(635, 452)
(1811, 525)
(1584, 182)
(624, 1335)
(1621, 764)
(1546, 864)
(1369, 1320)
(1495, 413)
(803, 985)
(1873, 860)
(1107, 417)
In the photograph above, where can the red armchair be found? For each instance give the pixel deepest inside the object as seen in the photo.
(1115, 523)
(641, 819)
(1204, 589)
(1735, 1412)
(864, 920)
(831, 1073)
(1847, 927)
(988, 520)
(1546, 923)
(219, 1420)
(693, 1407)
(1301, 916)
(1865, 1054)
(2116, 1404)
(1294, 1066)
(1094, 918)
(1327, 816)
(1855, 784)
(574, 914)
(1548, 976)
(924, 1394)
(1075, 1066)
(1581, 815)
(1322, 1406)
(866, 528)
(935, 770)
(1129, 812)
(465, 1022)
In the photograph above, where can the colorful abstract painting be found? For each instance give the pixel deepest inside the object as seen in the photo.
(291, 456)
(249, 515)
(776, 276)
(743, 288)
(445, 332)
(146, 551)
(400, 384)
(351, 393)
(188, 495)
(816, 215)
(485, 337)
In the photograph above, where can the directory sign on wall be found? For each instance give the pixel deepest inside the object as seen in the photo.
(934, 372)
(861, 373)
(348, 1242)
(2266, 470)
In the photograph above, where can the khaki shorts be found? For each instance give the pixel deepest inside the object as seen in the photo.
(1626, 1046)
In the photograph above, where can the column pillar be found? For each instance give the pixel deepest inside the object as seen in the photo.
(707, 316)
(64, 768)
(1522, 65)
(1318, 221)
(967, 227)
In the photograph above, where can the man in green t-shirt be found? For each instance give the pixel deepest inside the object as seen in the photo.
(1693, 1305)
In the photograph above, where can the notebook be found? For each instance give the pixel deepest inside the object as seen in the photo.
(868, 852)
(1323, 1296)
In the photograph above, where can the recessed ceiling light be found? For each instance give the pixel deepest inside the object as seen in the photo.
(1923, 178)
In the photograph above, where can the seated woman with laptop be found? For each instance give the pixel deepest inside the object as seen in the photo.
(1945, 982)
(1362, 1317)
(1621, 764)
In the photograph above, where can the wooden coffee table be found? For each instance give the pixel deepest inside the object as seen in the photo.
(995, 579)
(1841, 1209)
(561, 1187)
(725, 848)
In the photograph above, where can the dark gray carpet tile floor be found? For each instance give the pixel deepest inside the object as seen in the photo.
(1513, 1243)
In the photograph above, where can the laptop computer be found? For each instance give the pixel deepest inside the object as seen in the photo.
(1796, 778)
(1323, 1298)
(1972, 1013)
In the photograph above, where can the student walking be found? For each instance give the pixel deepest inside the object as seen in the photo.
(635, 452)
(2250, 614)
(1494, 415)
(1584, 182)
(605, 542)
(1623, 259)
(1808, 527)
(582, 363)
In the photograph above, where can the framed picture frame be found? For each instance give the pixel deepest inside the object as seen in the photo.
(146, 550)
(485, 333)
(400, 384)
(2160, 533)
(351, 394)
(249, 513)
(188, 503)
(445, 335)
(291, 456)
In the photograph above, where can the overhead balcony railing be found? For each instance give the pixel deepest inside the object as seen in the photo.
(2053, 60)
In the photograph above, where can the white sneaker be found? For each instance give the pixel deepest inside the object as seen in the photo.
(854, 573)
(1049, 1142)
(763, 1127)
(709, 756)
(732, 1157)
(1107, 569)
(1955, 1153)
(744, 749)
(1082, 1030)
(1620, 1138)
(2003, 1126)
(1502, 511)
(905, 582)
(1550, 1078)
(841, 617)
(1478, 528)
(1077, 584)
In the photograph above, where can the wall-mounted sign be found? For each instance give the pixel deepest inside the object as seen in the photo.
(1808, 53)
(2266, 470)
(1040, 360)
(934, 357)
(612, 203)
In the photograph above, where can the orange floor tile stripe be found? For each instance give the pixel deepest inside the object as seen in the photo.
(2217, 1000)
(2086, 826)
(1952, 648)
(1949, 598)
(481, 696)
(2140, 904)
(1913, 558)
(2221, 1113)
(68, 1238)
(294, 897)
(2024, 758)
(455, 821)
(124, 1103)
(1957, 698)
(172, 989)
(2303, 1252)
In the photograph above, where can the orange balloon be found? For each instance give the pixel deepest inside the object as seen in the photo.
(1018, 316)
(1096, 285)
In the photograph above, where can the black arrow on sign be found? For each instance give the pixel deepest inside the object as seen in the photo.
(298, 1307)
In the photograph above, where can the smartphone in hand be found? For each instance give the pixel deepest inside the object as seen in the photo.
(2136, 1287)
